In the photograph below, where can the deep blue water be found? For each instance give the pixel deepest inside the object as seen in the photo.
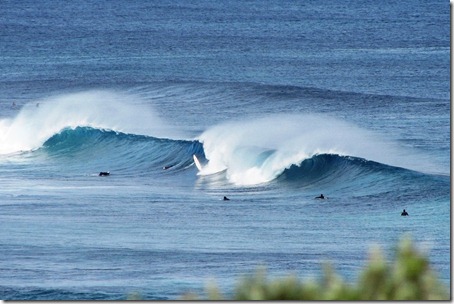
(279, 100)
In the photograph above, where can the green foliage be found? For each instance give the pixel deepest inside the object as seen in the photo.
(408, 277)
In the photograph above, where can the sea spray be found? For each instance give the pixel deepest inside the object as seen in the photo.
(38, 121)
(254, 151)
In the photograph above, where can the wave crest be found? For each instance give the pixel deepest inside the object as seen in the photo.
(257, 151)
(36, 122)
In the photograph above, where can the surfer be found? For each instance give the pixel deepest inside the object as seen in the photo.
(321, 196)
(104, 173)
(167, 167)
(404, 213)
(226, 198)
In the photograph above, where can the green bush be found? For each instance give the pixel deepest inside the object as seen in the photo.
(408, 277)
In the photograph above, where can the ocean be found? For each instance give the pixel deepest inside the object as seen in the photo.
(279, 102)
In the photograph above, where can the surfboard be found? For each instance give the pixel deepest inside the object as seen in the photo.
(197, 163)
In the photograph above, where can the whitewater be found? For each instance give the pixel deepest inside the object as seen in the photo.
(279, 103)
(239, 147)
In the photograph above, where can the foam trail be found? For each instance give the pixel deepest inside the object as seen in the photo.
(38, 121)
(257, 151)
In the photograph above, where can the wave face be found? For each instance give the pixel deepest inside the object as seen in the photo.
(125, 153)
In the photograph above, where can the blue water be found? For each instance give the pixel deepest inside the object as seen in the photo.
(279, 100)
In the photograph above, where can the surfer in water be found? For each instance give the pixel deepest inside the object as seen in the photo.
(226, 198)
(321, 196)
(404, 213)
(104, 173)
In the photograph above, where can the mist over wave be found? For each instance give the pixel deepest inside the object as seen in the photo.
(38, 121)
(254, 151)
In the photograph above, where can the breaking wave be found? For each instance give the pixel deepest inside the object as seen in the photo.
(98, 129)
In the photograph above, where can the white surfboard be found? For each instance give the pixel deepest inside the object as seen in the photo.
(197, 163)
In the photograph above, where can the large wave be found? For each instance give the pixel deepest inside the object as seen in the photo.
(38, 121)
(116, 130)
(83, 149)
(254, 151)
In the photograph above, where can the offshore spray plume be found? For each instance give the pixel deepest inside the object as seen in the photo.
(256, 151)
(98, 109)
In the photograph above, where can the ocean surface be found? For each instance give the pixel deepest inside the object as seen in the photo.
(279, 101)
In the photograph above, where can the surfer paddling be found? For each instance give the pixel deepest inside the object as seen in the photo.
(320, 197)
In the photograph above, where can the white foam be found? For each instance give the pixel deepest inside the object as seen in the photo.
(239, 147)
(38, 121)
